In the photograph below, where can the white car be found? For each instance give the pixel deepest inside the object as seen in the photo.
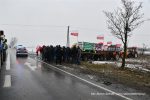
(21, 51)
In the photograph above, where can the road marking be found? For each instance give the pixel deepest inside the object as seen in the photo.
(31, 67)
(8, 62)
(98, 86)
(7, 82)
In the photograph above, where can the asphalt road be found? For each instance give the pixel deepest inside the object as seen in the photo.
(29, 79)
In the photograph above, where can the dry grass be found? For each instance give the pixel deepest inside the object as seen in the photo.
(127, 76)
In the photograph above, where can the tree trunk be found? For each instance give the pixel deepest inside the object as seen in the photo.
(124, 56)
(125, 51)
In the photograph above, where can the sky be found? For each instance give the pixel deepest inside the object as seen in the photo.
(38, 22)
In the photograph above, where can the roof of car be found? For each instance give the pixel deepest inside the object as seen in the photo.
(20, 46)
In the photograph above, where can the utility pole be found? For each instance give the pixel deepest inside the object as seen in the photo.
(68, 40)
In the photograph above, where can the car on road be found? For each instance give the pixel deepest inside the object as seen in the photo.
(21, 51)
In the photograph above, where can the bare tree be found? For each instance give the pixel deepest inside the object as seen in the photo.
(124, 20)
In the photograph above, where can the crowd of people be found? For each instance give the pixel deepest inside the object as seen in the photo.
(59, 54)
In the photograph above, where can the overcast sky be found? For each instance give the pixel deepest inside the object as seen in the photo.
(36, 22)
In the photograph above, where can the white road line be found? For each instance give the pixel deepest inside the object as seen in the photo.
(98, 86)
(31, 67)
(8, 62)
(7, 82)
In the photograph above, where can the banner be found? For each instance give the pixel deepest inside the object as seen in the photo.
(118, 45)
(109, 42)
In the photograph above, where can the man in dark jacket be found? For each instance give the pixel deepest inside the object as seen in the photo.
(64, 53)
(78, 55)
(58, 53)
(43, 52)
(52, 53)
(74, 54)
(68, 54)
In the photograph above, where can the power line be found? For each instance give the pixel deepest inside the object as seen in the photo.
(57, 26)
(31, 25)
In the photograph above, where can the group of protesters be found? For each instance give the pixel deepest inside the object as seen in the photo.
(60, 54)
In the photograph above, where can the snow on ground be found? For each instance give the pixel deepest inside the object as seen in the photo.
(135, 66)
(132, 66)
(136, 60)
(103, 62)
(147, 52)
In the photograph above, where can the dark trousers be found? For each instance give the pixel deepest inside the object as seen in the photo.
(4, 55)
(58, 60)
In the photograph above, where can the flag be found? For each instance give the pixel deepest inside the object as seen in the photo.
(109, 42)
(100, 37)
(74, 34)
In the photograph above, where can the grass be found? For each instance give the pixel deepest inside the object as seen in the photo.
(126, 76)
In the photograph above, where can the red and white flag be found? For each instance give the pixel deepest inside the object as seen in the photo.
(74, 34)
(109, 42)
(100, 37)
(118, 45)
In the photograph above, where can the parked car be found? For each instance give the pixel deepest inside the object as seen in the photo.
(21, 51)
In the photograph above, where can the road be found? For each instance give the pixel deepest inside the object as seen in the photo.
(30, 79)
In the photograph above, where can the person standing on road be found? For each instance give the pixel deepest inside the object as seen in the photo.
(78, 55)
(5, 47)
(68, 54)
(74, 54)
(52, 53)
(43, 52)
(48, 53)
(58, 55)
(64, 53)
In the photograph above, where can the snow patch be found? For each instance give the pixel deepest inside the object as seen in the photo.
(132, 66)
(103, 62)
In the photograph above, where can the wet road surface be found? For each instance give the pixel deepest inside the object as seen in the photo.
(29, 79)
